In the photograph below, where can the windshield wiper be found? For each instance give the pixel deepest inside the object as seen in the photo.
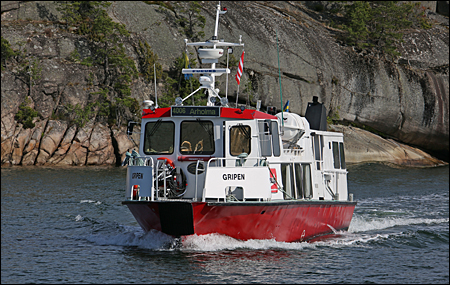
(155, 127)
(203, 124)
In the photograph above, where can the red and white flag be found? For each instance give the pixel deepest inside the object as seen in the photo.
(240, 68)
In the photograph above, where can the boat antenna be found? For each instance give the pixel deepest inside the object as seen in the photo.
(156, 95)
(281, 93)
(226, 86)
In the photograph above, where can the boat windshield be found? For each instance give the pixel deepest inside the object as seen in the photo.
(159, 137)
(197, 137)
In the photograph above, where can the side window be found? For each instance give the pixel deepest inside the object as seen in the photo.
(240, 139)
(318, 149)
(159, 137)
(342, 155)
(265, 138)
(288, 180)
(298, 180)
(336, 161)
(275, 138)
(307, 186)
(197, 137)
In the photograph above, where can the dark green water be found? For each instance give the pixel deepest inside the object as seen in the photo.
(68, 226)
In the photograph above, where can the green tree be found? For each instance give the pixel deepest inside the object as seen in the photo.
(359, 15)
(148, 62)
(6, 51)
(380, 24)
(189, 18)
(178, 85)
(106, 42)
(25, 115)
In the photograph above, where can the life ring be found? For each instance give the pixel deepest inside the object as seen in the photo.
(168, 161)
(176, 188)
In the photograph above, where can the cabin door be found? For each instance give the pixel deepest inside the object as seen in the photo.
(238, 138)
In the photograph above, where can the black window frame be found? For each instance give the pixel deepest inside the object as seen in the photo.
(160, 122)
(193, 146)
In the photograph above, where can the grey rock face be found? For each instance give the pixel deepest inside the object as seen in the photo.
(407, 100)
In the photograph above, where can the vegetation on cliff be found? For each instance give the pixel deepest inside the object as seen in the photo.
(379, 24)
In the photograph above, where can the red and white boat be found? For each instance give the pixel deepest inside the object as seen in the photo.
(239, 172)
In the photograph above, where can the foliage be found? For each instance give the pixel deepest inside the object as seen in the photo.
(192, 20)
(105, 35)
(30, 70)
(147, 59)
(25, 115)
(333, 117)
(188, 16)
(79, 115)
(105, 40)
(7, 51)
(178, 85)
(165, 4)
(379, 24)
(248, 90)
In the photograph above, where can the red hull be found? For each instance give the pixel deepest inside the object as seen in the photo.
(282, 221)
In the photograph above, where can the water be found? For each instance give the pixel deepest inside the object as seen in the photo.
(68, 226)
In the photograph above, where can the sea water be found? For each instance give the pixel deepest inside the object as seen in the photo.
(67, 225)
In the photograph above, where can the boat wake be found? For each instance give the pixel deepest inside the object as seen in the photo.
(364, 224)
(362, 232)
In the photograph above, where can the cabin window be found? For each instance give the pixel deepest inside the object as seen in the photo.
(307, 186)
(298, 180)
(342, 155)
(287, 176)
(265, 138)
(338, 155)
(159, 137)
(318, 149)
(240, 139)
(197, 137)
(302, 181)
(275, 138)
(336, 161)
(268, 138)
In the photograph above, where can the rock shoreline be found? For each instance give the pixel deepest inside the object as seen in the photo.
(54, 143)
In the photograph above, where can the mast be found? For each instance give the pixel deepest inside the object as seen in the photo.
(210, 52)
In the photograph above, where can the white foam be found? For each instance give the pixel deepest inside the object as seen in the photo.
(361, 224)
(134, 237)
(357, 236)
(78, 218)
(91, 201)
(216, 242)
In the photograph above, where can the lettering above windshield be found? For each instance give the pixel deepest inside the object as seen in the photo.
(179, 111)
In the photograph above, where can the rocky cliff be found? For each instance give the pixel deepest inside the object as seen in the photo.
(406, 100)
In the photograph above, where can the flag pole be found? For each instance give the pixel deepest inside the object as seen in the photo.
(156, 95)
(237, 94)
(281, 94)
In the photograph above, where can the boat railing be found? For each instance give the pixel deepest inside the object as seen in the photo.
(140, 161)
(237, 162)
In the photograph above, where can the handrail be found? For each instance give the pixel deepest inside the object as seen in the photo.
(196, 178)
(137, 161)
(259, 162)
